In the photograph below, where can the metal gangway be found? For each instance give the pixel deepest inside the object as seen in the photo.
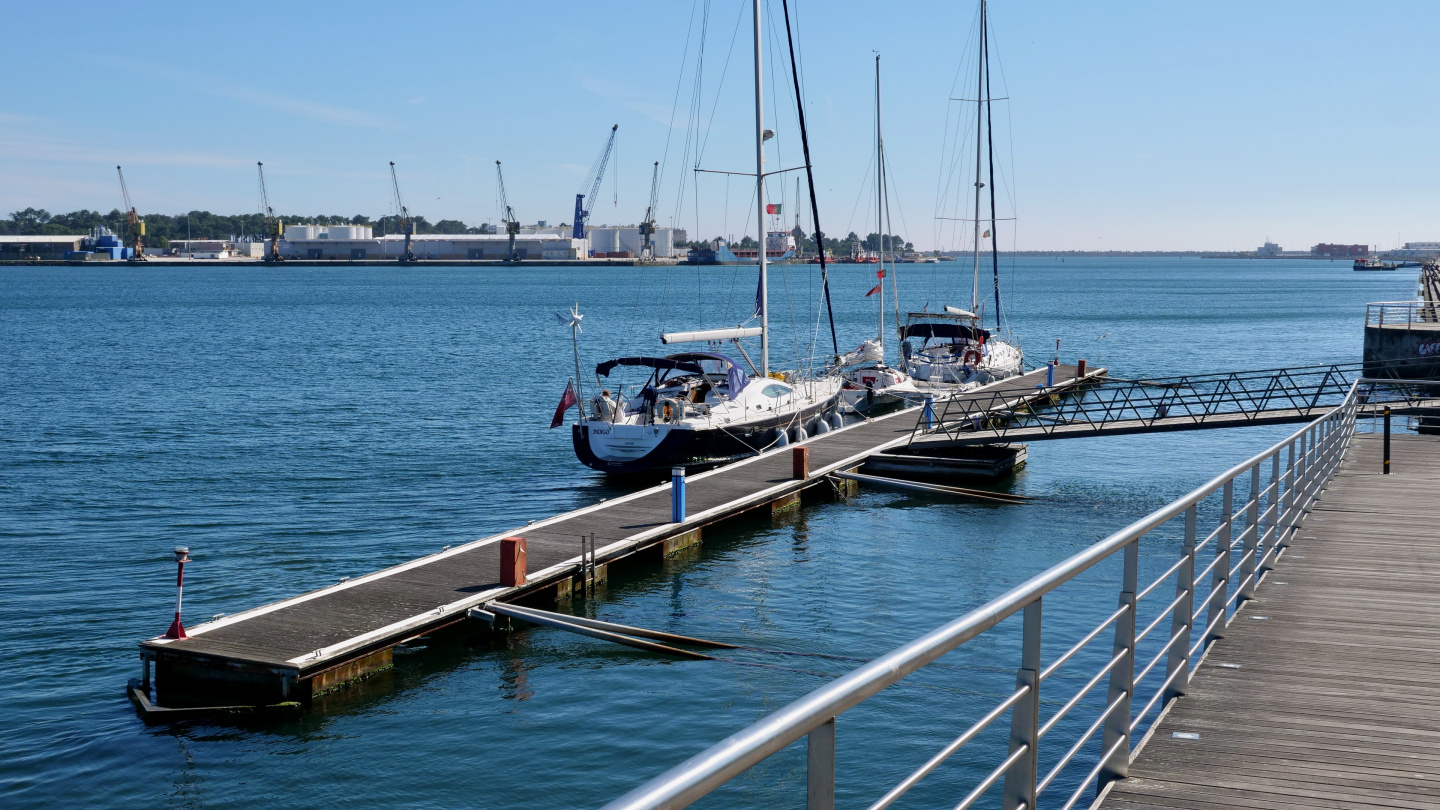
(1117, 406)
(1065, 744)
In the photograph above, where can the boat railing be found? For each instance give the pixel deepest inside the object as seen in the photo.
(1402, 314)
(1205, 554)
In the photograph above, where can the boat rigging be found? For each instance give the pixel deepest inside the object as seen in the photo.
(701, 408)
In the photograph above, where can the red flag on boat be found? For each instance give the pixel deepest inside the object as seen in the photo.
(772, 208)
(567, 401)
(880, 274)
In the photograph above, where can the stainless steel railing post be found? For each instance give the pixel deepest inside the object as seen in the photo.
(1220, 580)
(1287, 526)
(1252, 538)
(820, 767)
(1020, 779)
(1272, 525)
(1116, 739)
(1177, 668)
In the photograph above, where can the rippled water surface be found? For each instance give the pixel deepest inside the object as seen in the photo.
(298, 425)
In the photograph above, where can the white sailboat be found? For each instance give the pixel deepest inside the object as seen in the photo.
(702, 408)
(951, 351)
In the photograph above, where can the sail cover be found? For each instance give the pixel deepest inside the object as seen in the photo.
(944, 330)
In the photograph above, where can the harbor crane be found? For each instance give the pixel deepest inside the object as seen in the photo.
(274, 228)
(134, 225)
(407, 225)
(597, 173)
(507, 215)
(647, 227)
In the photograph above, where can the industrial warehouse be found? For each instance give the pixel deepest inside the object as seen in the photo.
(353, 242)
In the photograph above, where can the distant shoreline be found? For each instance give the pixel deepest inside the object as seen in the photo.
(178, 261)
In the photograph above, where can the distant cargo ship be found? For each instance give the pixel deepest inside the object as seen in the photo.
(1377, 264)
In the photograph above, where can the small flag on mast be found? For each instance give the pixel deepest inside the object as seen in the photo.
(772, 208)
(880, 274)
(567, 401)
(985, 235)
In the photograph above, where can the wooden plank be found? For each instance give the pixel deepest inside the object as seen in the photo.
(1335, 702)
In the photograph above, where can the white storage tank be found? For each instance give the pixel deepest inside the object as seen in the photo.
(628, 239)
(604, 240)
(344, 232)
(301, 232)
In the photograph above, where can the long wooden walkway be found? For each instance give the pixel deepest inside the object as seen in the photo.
(300, 646)
(1324, 692)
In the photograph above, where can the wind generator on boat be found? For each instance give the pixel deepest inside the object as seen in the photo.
(702, 408)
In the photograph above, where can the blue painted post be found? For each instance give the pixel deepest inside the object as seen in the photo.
(928, 415)
(1050, 375)
(677, 495)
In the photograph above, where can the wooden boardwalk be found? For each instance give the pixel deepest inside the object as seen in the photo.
(1336, 698)
(301, 646)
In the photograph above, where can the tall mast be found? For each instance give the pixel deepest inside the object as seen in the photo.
(879, 206)
(990, 152)
(810, 178)
(979, 119)
(760, 201)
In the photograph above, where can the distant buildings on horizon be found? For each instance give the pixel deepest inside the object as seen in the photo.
(1324, 250)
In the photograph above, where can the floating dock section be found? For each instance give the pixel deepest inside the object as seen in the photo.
(297, 648)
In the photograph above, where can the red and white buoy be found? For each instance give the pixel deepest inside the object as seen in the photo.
(182, 556)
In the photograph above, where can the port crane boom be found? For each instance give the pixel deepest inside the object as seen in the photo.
(407, 225)
(507, 215)
(647, 227)
(274, 228)
(134, 225)
(582, 211)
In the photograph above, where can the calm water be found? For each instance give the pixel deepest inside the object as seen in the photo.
(295, 426)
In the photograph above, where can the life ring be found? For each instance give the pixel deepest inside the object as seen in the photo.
(670, 410)
(969, 353)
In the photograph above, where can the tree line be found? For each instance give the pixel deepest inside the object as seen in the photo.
(836, 247)
(161, 228)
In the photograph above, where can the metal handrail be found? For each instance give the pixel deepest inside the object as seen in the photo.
(1396, 314)
(1096, 404)
(1311, 456)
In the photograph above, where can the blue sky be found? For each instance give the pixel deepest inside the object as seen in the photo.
(1129, 125)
